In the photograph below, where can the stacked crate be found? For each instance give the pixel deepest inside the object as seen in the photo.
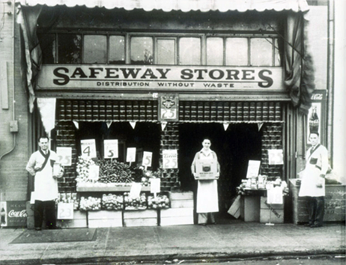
(181, 211)
(140, 218)
(79, 221)
(271, 213)
(105, 219)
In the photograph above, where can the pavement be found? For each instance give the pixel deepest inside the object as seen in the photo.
(235, 240)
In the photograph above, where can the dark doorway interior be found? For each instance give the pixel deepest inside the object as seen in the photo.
(234, 147)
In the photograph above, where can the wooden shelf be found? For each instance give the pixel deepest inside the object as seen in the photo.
(110, 188)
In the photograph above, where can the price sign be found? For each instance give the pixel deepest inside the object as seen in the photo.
(147, 158)
(131, 154)
(155, 185)
(110, 148)
(64, 156)
(170, 158)
(135, 190)
(88, 148)
(253, 168)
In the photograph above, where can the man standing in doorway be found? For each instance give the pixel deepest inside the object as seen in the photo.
(40, 165)
(313, 180)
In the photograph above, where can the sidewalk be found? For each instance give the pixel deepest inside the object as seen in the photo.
(232, 241)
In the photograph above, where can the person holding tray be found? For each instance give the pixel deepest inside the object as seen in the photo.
(206, 170)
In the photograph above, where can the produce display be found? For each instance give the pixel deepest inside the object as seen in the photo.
(158, 202)
(90, 204)
(112, 202)
(139, 203)
(112, 171)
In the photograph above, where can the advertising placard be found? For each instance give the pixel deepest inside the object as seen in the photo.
(170, 158)
(110, 148)
(206, 169)
(64, 156)
(15, 214)
(88, 148)
(168, 107)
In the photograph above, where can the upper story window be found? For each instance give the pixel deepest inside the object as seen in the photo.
(160, 49)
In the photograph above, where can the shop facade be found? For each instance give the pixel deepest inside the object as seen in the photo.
(160, 78)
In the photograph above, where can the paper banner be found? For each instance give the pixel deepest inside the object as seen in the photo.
(131, 154)
(259, 125)
(109, 123)
(133, 124)
(225, 126)
(46, 107)
(64, 156)
(110, 148)
(76, 124)
(163, 125)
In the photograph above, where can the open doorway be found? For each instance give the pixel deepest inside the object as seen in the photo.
(234, 148)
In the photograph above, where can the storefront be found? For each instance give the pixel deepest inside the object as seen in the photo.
(154, 77)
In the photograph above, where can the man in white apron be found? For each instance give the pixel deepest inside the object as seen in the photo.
(207, 195)
(313, 180)
(40, 165)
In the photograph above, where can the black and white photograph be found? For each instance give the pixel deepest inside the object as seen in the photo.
(172, 132)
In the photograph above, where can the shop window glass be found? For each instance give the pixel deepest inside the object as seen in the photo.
(165, 51)
(95, 49)
(214, 51)
(236, 51)
(190, 51)
(69, 48)
(116, 50)
(261, 52)
(277, 61)
(142, 50)
(48, 44)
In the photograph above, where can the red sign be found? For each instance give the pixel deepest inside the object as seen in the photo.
(14, 214)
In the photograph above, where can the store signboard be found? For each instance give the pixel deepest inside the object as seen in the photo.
(110, 148)
(13, 213)
(170, 158)
(149, 77)
(88, 148)
(64, 156)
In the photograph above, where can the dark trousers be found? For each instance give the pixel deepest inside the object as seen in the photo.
(316, 210)
(47, 207)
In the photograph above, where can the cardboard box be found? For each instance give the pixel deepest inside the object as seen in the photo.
(176, 216)
(105, 219)
(271, 213)
(140, 218)
(251, 208)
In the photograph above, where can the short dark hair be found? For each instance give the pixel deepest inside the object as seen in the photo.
(315, 133)
(43, 137)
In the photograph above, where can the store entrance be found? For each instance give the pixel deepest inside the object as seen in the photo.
(234, 148)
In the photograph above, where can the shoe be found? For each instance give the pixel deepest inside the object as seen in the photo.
(38, 228)
(308, 225)
(316, 225)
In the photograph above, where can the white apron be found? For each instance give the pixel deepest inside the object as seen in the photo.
(46, 187)
(207, 195)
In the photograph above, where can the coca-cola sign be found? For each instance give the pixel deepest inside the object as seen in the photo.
(16, 213)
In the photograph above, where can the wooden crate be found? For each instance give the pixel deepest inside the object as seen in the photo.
(105, 219)
(251, 208)
(188, 195)
(79, 220)
(182, 203)
(176, 216)
(271, 213)
(334, 207)
(140, 218)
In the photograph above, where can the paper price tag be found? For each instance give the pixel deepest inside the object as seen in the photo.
(155, 185)
(131, 154)
(88, 148)
(170, 158)
(110, 148)
(147, 158)
(135, 190)
(64, 156)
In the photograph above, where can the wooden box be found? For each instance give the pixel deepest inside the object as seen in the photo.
(176, 216)
(105, 219)
(140, 218)
(271, 213)
(79, 220)
(251, 208)
(181, 199)
(334, 207)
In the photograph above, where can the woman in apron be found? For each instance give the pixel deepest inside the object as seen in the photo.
(206, 170)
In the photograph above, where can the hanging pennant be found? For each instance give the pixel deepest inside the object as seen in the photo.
(259, 126)
(133, 124)
(225, 126)
(76, 124)
(109, 123)
(163, 125)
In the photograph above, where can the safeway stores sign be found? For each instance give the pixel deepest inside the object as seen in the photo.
(127, 77)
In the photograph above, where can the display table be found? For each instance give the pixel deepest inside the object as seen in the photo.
(334, 207)
(108, 188)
